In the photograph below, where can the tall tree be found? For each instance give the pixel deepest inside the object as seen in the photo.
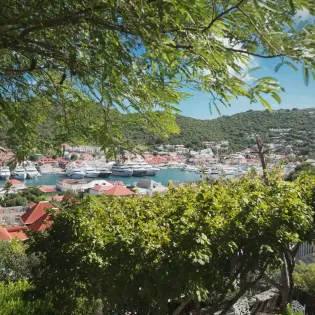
(84, 63)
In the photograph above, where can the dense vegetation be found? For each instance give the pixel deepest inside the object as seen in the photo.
(21, 198)
(240, 129)
(156, 255)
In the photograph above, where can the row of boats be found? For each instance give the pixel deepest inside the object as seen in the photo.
(19, 172)
(222, 170)
(137, 169)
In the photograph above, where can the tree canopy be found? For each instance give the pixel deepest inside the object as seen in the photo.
(205, 244)
(87, 63)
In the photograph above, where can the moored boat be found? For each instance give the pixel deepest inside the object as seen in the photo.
(19, 173)
(5, 173)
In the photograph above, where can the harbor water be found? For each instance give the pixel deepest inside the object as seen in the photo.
(162, 177)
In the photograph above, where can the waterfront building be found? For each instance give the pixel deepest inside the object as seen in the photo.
(77, 185)
(148, 187)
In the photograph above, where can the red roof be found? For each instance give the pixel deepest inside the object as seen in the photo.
(47, 189)
(37, 211)
(15, 182)
(31, 204)
(9, 233)
(16, 228)
(4, 234)
(116, 183)
(47, 160)
(57, 198)
(118, 191)
(41, 223)
(101, 187)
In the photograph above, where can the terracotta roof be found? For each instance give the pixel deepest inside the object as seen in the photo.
(116, 183)
(118, 191)
(15, 182)
(4, 234)
(20, 235)
(47, 189)
(57, 198)
(31, 204)
(101, 187)
(41, 223)
(36, 212)
(16, 228)
(47, 160)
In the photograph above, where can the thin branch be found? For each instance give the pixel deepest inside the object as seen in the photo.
(254, 54)
(218, 17)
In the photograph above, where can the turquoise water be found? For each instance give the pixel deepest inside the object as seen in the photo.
(163, 177)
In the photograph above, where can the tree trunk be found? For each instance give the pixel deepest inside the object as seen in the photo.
(182, 305)
(197, 308)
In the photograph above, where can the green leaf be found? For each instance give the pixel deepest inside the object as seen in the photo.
(290, 64)
(276, 97)
(306, 74)
(292, 6)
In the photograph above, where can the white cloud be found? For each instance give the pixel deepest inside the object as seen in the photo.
(303, 15)
(244, 65)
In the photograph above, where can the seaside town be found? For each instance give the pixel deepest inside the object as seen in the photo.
(157, 157)
(85, 170)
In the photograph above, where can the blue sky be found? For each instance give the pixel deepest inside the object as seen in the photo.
(296, 95)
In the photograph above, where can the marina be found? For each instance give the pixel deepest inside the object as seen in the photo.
(163, 176)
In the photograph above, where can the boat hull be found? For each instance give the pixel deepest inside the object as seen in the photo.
(125, 173)
(152, 172)
(5, 176)
(91, 175)
(77, 176)
(19, 176)
(104, 174)
(31, 176)
(139, 173)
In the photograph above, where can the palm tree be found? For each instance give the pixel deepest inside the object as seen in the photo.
(7, 187)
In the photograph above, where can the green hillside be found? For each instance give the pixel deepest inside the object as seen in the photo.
(240, 130)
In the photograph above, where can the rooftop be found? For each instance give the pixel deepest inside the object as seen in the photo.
(118, 191)
(37, 211)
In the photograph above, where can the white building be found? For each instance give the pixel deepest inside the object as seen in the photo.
(148, 187)
(77, 185)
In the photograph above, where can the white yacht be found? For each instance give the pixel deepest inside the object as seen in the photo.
(119, 169)
(5, 173)
(19, 173)
(229, 170)
(149, 169)
(75, 173)
(31, 171)
(104, 172)
(137, 169)
(91, 172)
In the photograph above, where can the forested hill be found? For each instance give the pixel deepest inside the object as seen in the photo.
(239, 129)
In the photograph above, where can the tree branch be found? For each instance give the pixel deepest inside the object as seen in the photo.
(253, 54)
(218, 17)
(274, 283)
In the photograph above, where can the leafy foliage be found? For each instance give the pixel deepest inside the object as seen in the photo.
(140, 253)
(85, 63)
(15, 264)
(301, 169)
(304, 277)
(22, 198)
(13, 300)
